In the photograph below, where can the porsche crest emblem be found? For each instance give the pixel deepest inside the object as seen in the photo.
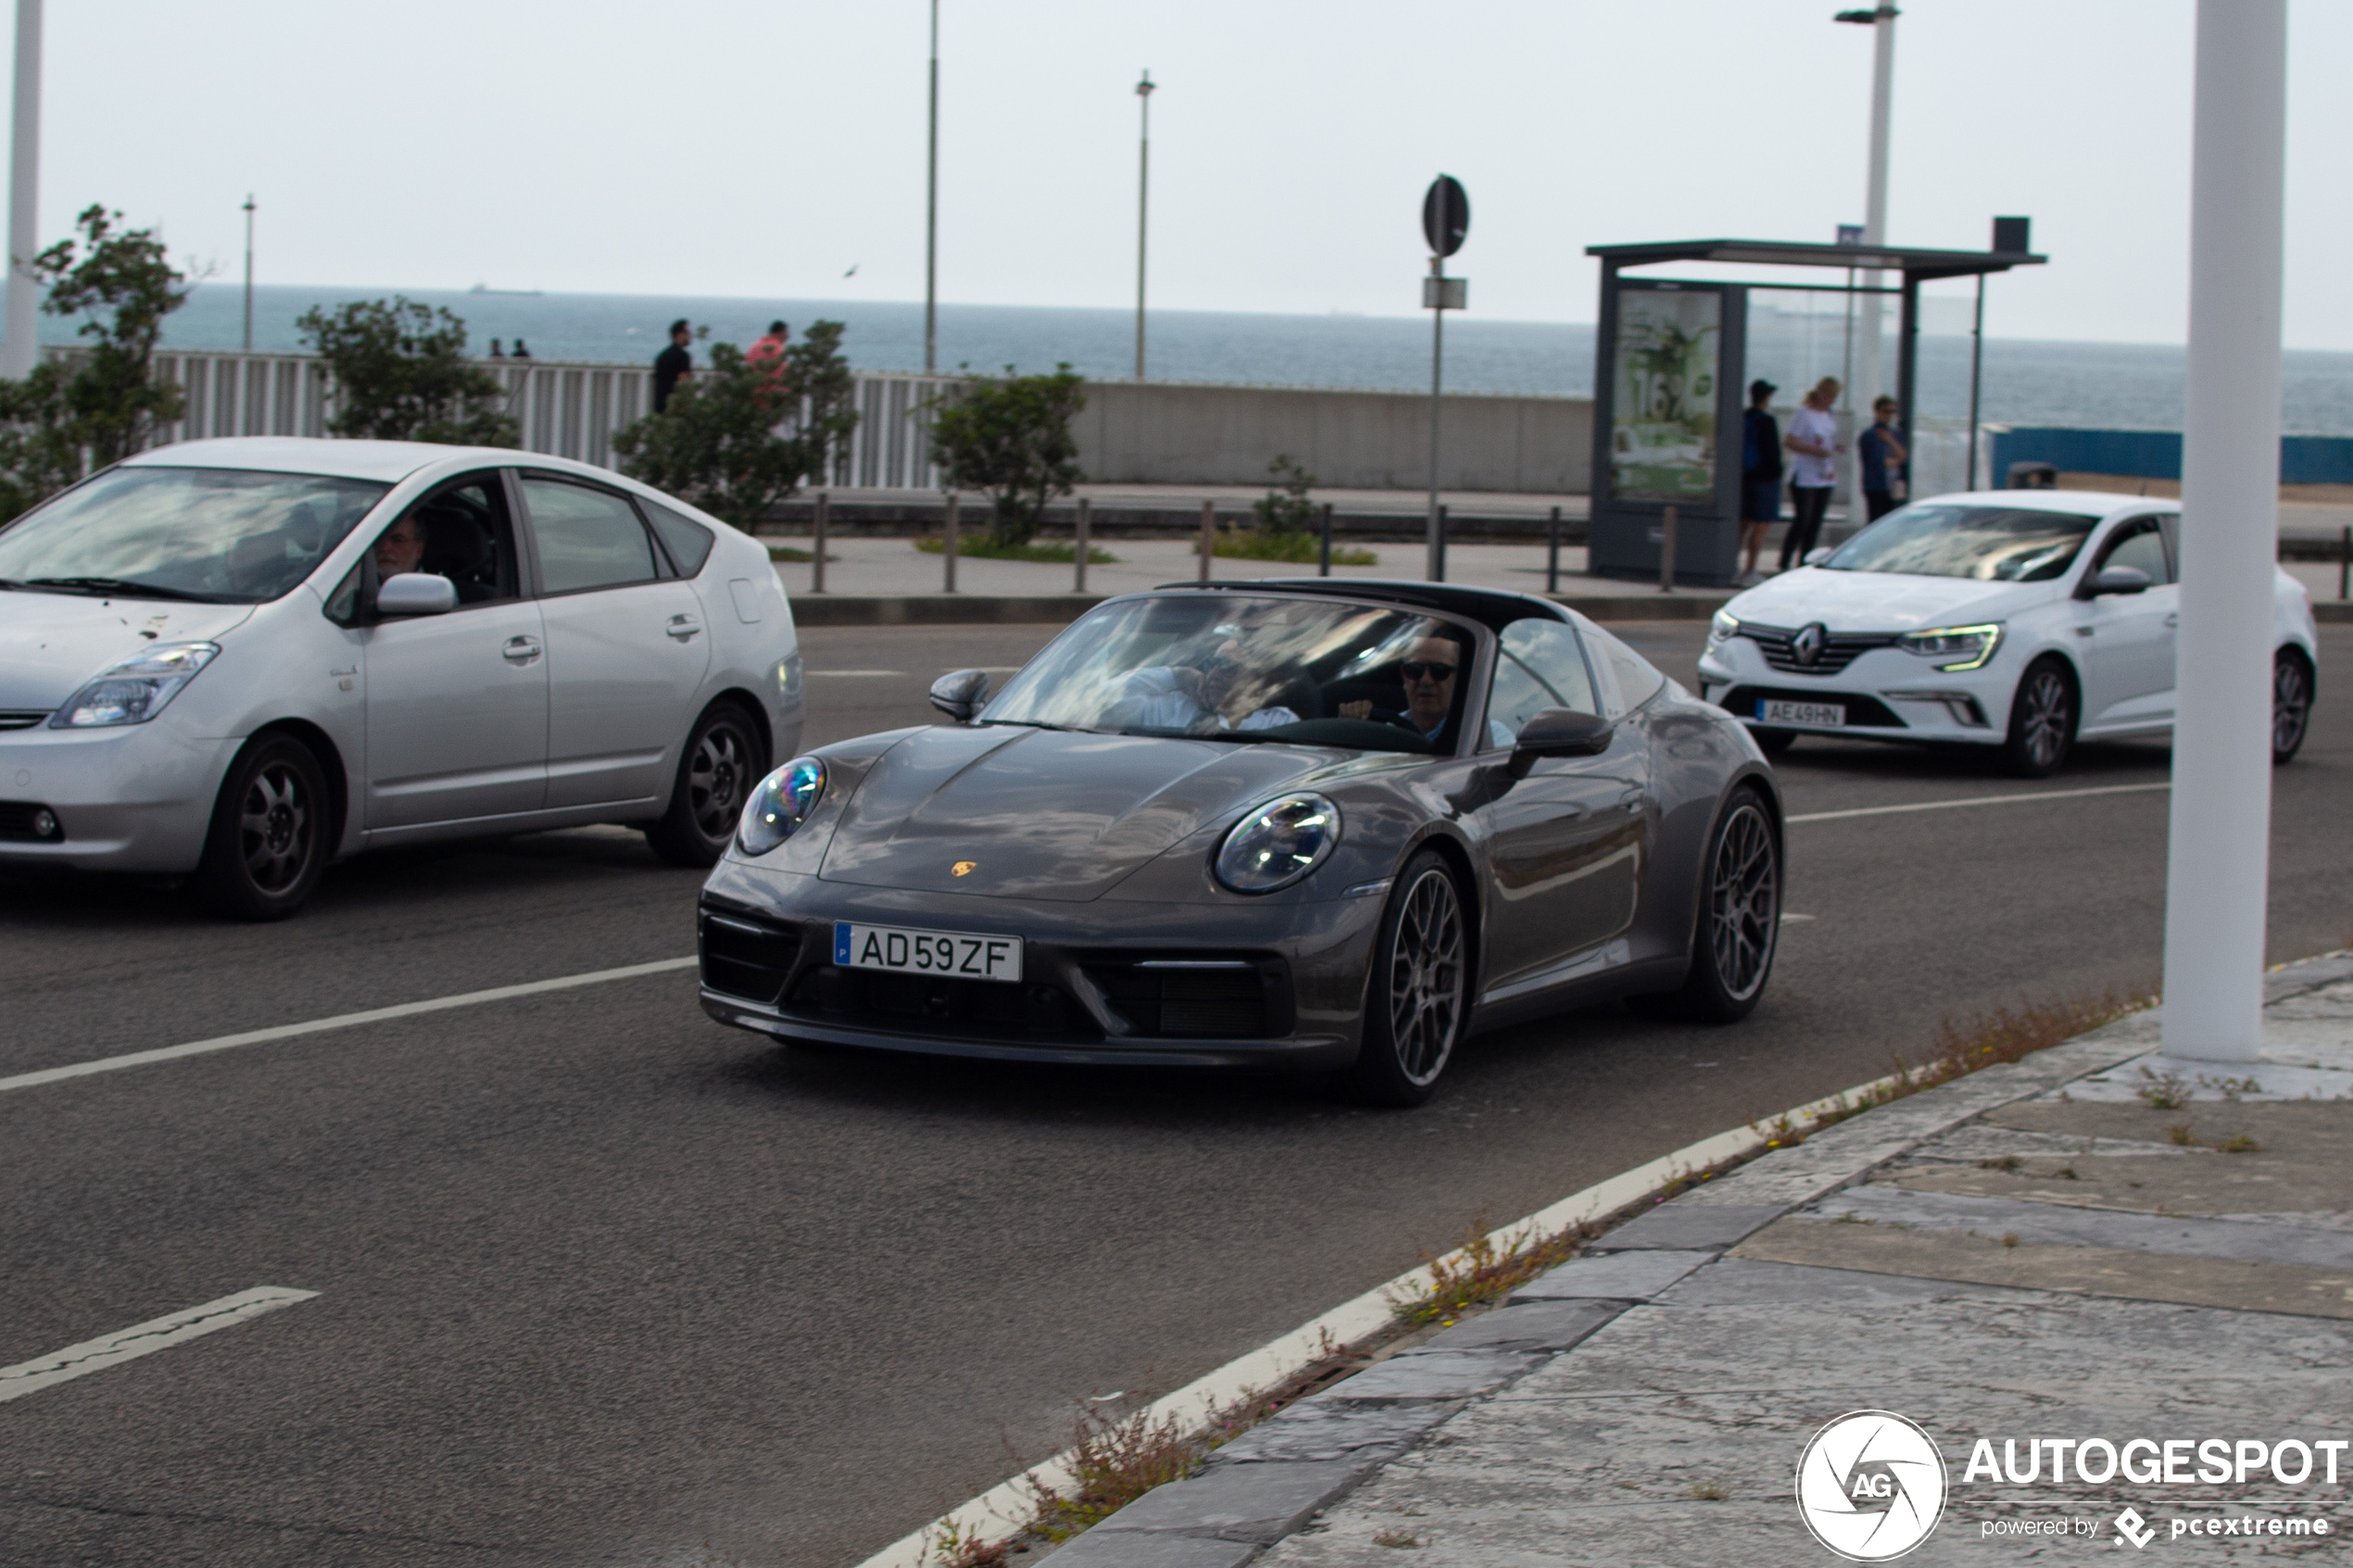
(963, 868)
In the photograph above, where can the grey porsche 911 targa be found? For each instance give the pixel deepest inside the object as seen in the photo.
(1331, 825)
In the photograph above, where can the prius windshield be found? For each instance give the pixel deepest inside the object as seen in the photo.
(215, 535)
(1990, 544)
(1232, 667)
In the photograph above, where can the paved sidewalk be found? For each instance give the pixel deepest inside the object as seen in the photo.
(2094, 1243)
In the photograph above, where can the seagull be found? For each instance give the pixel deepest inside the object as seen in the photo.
(853, 270)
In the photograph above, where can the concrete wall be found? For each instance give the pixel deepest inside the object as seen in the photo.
(1179, 435)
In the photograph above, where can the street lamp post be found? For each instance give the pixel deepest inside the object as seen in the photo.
(20, 329)
(1882, 21)
(1143, 192)
(2218, 849)
(248, 271)
(931, 211)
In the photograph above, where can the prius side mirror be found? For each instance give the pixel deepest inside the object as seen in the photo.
(959, 694)
(2116, 580)
(416, 593)
(1558, 732)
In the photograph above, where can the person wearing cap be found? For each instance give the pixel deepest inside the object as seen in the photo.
(674, 363)
(1760, 471)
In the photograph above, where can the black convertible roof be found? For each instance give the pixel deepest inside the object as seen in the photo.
(1492, 607)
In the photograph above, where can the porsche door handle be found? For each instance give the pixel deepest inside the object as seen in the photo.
(683, 627)
(520, 650)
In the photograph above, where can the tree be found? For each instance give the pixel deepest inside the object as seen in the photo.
(401, 374)
(718, 446)
(1011, 438)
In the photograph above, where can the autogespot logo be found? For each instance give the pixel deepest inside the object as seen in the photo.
(1871, 1485)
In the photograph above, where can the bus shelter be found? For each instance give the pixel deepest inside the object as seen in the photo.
(1671, 374)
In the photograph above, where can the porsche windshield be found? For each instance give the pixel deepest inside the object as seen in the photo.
(1990, 544)
(1224, 665)
(219, 535)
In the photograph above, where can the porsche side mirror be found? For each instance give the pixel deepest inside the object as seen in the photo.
(2116, 580)
(959, 694)
(1558, 732)
(416, 593)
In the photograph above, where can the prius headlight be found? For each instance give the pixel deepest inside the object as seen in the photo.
(1276, 844)
(781, 804)
(1968, 648)
(133, 690)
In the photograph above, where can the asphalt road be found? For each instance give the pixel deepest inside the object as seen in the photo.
(600, 1281)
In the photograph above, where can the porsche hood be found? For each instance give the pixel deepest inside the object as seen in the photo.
(1043, 813)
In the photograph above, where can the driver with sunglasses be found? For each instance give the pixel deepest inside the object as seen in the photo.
(1428, 671)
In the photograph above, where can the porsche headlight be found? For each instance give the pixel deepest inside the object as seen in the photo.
(1276, 844)
(133, 690)
(1968, 646)
(781, 804)
(1723, 628)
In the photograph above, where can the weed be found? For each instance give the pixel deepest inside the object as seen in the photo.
(949, 1546)
(1398, 1539)
(2066, 1173)
(1114, 1462)
(1486, 1269)
(2014, 1033)
(2007, 1163)
(2164, 1091)
(2239, 1144)
(2180, 1133)
(980, 546)
(2009, 1239)
(2233, 1089)
(1709, 1491)
(794, 552)
(1239, 544)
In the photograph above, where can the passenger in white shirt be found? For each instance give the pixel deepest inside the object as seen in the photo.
(1813, 445)
(1164, 696)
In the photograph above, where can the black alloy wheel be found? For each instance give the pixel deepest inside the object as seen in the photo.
(1738, 926)
(2291, 704)
(724, 760)
(267, 845)
(2043, 721)
(1417, 997)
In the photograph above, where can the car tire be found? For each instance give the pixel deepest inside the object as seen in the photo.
(722, 761)
(1418, 996)
(2042, 720)
(268, 845)
(1772, 743)
(2291, 704)
(1738, 929)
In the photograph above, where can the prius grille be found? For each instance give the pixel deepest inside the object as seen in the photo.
(22, 718)
(1836, 651)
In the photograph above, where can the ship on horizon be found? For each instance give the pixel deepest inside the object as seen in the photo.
(519, 294)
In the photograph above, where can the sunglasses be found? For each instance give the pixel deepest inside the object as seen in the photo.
(1414, 670)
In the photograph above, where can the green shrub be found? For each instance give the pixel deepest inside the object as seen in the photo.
(985, 547)
(1009, 438)
(402, 374)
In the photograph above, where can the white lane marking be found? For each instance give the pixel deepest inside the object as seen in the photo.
(340, 1021)
(1976, 800)
(144, 1338)
(1793, 920)
(858, 672)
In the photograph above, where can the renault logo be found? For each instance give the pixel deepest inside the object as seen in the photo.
(1807, 645)
(963, 868)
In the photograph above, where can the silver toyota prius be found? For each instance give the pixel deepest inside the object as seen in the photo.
(240, 659)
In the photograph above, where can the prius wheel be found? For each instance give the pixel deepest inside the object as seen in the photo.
(723, 761)
(267, 845)
(1415, 999)
(1738, 925)
(2291, 704)
(2043, 721)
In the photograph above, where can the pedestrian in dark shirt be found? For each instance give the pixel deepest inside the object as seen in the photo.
(520, 352)
(497, 352)
(1760, 471)
(672, 363)
(1883, 458)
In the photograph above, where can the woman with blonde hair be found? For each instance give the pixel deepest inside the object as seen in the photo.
(1813, 443)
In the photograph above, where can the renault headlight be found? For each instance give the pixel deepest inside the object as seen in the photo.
(1723, 628)
(133, 690)
(1968, 646)
(1276, 844)
(781, 804)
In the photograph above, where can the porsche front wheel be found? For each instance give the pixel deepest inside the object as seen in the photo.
(1417, 997)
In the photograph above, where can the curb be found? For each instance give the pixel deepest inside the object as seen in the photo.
(980, 609)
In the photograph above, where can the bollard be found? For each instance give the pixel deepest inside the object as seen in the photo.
(1552, 556)
(2344, 564)
(817, 540)
(1208, 535)
(1667, 551)
(1085, 517)
(1324, 557)
(1438, 555)
(947, 545)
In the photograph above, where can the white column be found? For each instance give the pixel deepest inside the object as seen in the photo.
(1866, 340)
(19, 330)
(2222, 809)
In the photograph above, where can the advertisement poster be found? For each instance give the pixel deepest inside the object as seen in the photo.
(1663, 405)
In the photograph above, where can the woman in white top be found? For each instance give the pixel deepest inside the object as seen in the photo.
(1813, 445)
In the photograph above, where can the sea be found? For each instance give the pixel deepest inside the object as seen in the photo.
(2099, 385)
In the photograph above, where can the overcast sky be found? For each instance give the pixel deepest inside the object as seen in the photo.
(763, 148)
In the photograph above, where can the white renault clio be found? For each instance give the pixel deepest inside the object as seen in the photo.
(2018, 619)
(243, 658)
